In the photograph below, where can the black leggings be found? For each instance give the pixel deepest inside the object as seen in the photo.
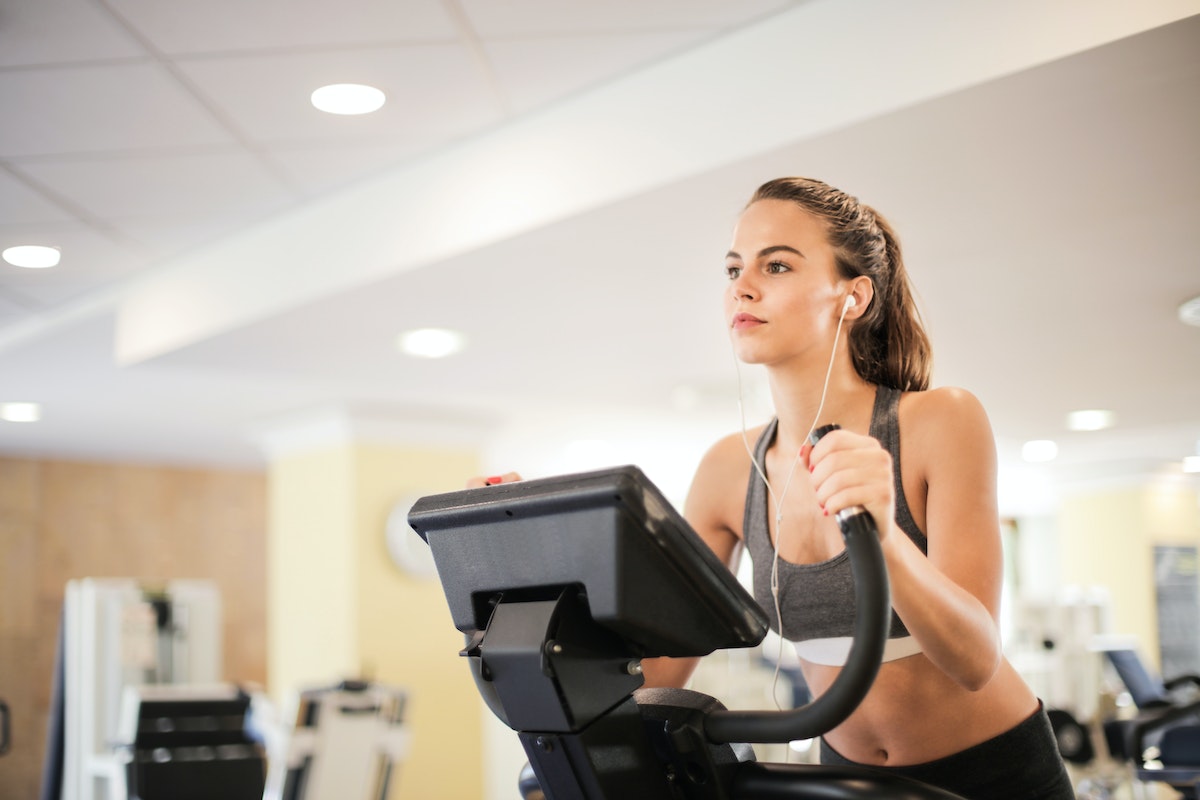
(1022, 763)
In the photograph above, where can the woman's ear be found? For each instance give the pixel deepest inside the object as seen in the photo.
(862, 291)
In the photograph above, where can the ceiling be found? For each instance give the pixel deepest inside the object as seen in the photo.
(558, 181)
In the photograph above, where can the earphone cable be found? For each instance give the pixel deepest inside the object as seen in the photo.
(778, 501)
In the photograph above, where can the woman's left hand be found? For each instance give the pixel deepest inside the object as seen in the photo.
(850, 469)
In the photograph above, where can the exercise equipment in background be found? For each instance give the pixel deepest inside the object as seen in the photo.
(1073, 738)
(1162, 739)
(189, 743)
(1054, 651)
(346, 744)
(116, 634)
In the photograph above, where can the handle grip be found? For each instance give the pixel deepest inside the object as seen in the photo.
(846, 514)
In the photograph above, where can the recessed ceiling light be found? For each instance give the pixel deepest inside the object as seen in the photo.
(1189, 312)
(32, 256)
(1091, 419)
(431, 342)
(348, 98)
(1039, 450)
(20, 412)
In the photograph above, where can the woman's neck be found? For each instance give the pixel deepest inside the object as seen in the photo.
(796, 395)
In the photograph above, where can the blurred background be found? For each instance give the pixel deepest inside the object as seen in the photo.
(210, 382)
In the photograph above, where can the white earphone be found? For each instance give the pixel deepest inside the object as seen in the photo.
(849, 304)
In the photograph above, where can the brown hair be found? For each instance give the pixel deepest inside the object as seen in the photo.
(888, 343)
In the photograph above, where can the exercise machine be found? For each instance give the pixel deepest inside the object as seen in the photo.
(1162, 740)
(119, 633)
(563, 585)
(190, 743)
(346, 743)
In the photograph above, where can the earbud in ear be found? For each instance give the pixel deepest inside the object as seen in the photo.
(850, 303)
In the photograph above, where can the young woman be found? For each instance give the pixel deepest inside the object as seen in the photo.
(818, 294)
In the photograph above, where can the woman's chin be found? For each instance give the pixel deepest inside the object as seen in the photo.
(749, 357)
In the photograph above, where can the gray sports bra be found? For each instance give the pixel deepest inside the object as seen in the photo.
(817, 600)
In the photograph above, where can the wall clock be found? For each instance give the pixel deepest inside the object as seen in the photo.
(405, 546)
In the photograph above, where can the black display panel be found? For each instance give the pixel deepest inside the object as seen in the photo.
(645, 573)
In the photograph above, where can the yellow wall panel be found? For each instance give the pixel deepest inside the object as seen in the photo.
(1107, 538)
(407, 636)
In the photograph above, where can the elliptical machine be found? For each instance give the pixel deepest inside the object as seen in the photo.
(562, 585)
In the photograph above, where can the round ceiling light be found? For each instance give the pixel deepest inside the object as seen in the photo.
(431, 342)
(32, 256)
(1189, 312)
(1039, 451)
(20, 412)
(348, 99)
(1091, 419)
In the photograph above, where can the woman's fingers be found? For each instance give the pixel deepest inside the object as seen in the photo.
(480, 481)
(852, 470)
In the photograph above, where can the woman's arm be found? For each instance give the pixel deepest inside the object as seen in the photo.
(953, 596)
(950, 600)
(716, 493)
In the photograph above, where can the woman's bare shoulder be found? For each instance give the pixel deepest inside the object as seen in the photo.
(730, 454)
(943, 427)
(947, 408)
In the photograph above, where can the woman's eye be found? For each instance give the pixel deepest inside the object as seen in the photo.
(776, 267)
(732, 272)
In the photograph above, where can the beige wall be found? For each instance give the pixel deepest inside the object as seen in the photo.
(61, 520)
(1107, 537)
(407, 635)
(312, 618)
(339, 608)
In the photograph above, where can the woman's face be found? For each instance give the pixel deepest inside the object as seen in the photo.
(784, 294)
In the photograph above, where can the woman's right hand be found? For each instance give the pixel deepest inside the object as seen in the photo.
(480, 481)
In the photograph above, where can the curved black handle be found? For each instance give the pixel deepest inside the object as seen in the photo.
(5, 728)
(872, 620)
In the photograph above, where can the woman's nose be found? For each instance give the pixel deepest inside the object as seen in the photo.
(742, 288)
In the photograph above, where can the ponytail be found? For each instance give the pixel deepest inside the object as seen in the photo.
(891, 348)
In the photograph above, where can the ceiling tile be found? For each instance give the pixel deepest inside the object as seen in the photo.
(113, 107)
(536, 71)
(237, 25)
(523, 18)
(318, 169)
(21, 205)
(13, 309)
(61, 32)
(198, 185)
(267, 97)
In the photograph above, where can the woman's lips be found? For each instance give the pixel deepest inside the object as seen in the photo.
(743, 321)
